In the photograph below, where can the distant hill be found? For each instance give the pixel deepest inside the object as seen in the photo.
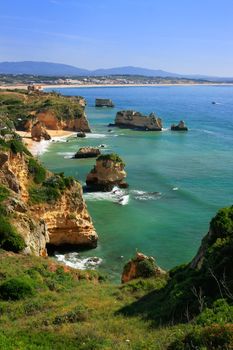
(58, 69)
(41, 68)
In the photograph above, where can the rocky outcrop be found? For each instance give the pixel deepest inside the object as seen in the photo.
(68, 220)
(135, 120)
(81, 134)
(39, 132)
(179, 127)
(141, 266)
(64, 221)
(52, 120)
(107, 173)
(103, 102)
(87, 152)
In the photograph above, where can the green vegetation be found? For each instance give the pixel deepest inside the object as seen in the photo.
(113, 156)
(9, 238)
(51, 189)
(20, 106)
(37, 170)
(16, 288)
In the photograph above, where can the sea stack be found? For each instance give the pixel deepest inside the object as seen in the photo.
(87, 152)
(104, 102)
(141, 266)
(107, 173)
(39, 132)
(179, 127)
(137, 121)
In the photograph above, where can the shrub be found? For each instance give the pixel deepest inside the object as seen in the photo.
(43, 194)
(9, 238)
(16, 288)
(213, 337)
(38, 171)
(112, 156)
(146, 268)
(79, 314)
(221, 312)
(17, 146)
(4, 193)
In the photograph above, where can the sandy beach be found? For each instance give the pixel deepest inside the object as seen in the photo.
(37, 148)
(77, 86)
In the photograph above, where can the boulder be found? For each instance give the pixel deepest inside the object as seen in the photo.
(81, 134)
(39, 132)
(179, 127)
(107, 173)
(141, 266)
(137, 121)
(87, 152)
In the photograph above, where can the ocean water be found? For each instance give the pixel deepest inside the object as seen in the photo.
(177, 180)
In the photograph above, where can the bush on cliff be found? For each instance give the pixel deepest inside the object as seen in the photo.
(37, 170)
(16, 288)
(9, 238)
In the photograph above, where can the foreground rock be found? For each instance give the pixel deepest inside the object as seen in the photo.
(42, 207)
(179, 127)
(39, 132)
(141, 266)
(81, 134)
(103, 102)
(137, 121)
(87, 152)
(107, 173)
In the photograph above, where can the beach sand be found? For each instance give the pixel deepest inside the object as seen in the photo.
(37, 148)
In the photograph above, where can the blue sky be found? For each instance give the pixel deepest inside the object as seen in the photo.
(183, 36)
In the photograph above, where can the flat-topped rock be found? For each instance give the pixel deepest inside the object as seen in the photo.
(103, 102)
(179, 127)
(107, 173)
(87, 152)
(135, 120)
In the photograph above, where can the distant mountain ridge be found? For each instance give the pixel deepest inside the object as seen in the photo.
(59, 69)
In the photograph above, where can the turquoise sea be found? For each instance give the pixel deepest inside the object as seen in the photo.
(177, 180)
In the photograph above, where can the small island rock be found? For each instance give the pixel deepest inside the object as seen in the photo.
(179, 127)
(87, 152)
(107, 173)
(135, 120)
(141, 266)
(103, 102)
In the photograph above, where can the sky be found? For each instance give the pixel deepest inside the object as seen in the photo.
(181, 36)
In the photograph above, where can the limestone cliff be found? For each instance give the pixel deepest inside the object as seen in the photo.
(41, 212)
(107, 173)
(135, 120)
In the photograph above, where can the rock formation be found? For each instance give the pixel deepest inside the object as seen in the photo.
(64, 220)
(179, 127)
(107, 173)
(103, 102)
(39, 132)
(87, 152)
(81, 134)
(135, 120)
(141, 266)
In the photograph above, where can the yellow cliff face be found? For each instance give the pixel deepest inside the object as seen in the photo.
(64, 221)
(68, 220)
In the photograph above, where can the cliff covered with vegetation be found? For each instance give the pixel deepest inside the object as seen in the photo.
(53, 110)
